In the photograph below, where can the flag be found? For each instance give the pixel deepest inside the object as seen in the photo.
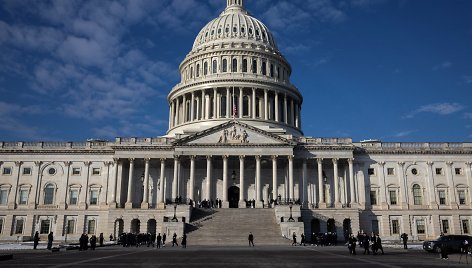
(235, 110)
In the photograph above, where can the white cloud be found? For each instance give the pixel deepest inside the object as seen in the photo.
(442, 66)
(437, 108)
(468, 79)
(404, 133)
(468, 115)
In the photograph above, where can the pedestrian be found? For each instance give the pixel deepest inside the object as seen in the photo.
(93, 242)
(404, 237)
(366, 243)
(35, 240)
(378, 244)
(158, 240)
(164, 236)
(50, 239)
(352, 244)
(444, 250)
(100, 239)
(111, 237)
(174, 240)
(302, 239)
(184, 241)
(294, 237)
(251, 239)
(153, 238)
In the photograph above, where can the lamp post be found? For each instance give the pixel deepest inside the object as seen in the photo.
(233, 177)
(174, 219)
(291, 218)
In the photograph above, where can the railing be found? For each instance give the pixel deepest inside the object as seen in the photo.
(310, 140)
(416, 145)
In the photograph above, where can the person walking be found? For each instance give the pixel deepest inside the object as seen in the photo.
(444, 251)
(93, 242)
(404, 237)
(184, 241)
(174, 240)
(294, 237)
(302, 239)
(111, 237)
(50, 239)
(251, 239)
(158, 240)
(352, 244)
(378, 244)
(35, 240)
(366, 243)
(164, 236)
(100, 239)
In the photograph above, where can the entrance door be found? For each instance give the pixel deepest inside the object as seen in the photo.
(233, 196)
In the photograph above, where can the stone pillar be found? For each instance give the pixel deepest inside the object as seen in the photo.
(258, 181)
(160, 201)
(215, 101)
(320, 182)
(383, 188)
(171, 106)
(351, 182)
(129, 198)
(177, 111)
(207, 106)
(192, 179)
(430, 185)
(202, 109)
(228, 110)
(468, 173)
(175, 179)
(401, 182)
(450, 184)
(292, 112)
(285, 110)
(304, 184)
(276, 106)
(290, 178)
(113, 203)
(266, 105)
(145, 203)
(192, 111)
(197, 116)
(208, 177)
(274, 178)
(296, 116)
(225, 203)
(241, 182)
(184, 109)
(337, 200)
(253, 115)
(240, 108)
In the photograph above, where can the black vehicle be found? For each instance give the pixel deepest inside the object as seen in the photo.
(453, 243)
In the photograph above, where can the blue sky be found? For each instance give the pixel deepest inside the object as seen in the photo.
(395, 70)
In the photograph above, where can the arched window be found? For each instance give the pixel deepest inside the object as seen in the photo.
(417, 196)
(225, 65)
(191, 72)
(215, 67)
(198, 70)
(254, 66)
(235, 65)
(49, 194)
(205, 68)
(244, 65)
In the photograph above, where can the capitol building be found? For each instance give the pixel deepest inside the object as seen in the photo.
(235, 137)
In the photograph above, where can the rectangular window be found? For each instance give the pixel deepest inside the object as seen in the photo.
(7, 171)
(395, 227)
(26, 171)
(373, 198)
(73, 197)
(393, 197)
(19, 226)
(461, 194)
(1, 225)
(75, 171)
(70, 226)
(375, 226)
(445, 226)
(442, 197)
(465, 226)
(94, 197)
(438, 171)
(95, 171)
(390, 171)
(371, 171)
(3, 197)
(23, 197)
(420, 227)
(44, 227)
(458, 171)
(91, 227)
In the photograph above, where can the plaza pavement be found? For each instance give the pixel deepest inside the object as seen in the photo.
(239, 256)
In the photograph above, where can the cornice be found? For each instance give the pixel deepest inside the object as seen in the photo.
(397, 151)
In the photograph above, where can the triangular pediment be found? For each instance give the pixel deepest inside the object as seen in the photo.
(234, 133)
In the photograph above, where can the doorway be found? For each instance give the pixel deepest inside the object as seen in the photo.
(233, 196)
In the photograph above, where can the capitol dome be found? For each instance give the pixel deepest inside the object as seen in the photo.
(235, 71)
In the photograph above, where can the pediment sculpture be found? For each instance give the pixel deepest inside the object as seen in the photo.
(234, 136)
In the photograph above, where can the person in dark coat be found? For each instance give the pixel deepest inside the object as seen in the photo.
(174, 240)
(404, 237)
(251, 239)
(378, 244)
(184, 241)
(100, 239)
(164, 239)
(50, 239)
(158, 240)
(93, 242)
(35, 240)
(111, 237)
(366, 243)
(294, 237)
(352, 244)
(302, 239)
(444, 251)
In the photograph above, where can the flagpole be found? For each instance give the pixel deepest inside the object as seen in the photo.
(234, 105)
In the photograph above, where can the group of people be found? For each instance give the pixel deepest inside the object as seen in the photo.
(210, 203)
(302, 239)
(36, 240)
(324, 239)
(84, 241)
(368, 243)
(149, 239)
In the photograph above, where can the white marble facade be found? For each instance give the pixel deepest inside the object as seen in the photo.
(235, 133)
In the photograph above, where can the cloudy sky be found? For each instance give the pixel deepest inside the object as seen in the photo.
(395, 70)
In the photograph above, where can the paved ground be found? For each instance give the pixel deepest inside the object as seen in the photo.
(264, 256)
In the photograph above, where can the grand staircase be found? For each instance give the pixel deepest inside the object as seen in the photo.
(232, 226)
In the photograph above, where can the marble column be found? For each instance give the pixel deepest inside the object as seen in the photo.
(225, 202)
(276, 106)
(129, 198)
(290, 178)
(240, 108)
(184, 109)
(450, 183)
(208, 178)
(192, 111)
(145, 203)
(320, 182)
(215, 101)
(266, 105)
(274, 178)
(468, 173)
(253, 115)
(177, 111)
(228, 105)
(202, 108)
(258, 181)
(304, 184)
(336, 182)
(113, 187)
(160, 201)
(242, 203)
(430, 184)
(292, 112)
(175, 179)
(285, 110)
(351, 182)
(192, 179)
